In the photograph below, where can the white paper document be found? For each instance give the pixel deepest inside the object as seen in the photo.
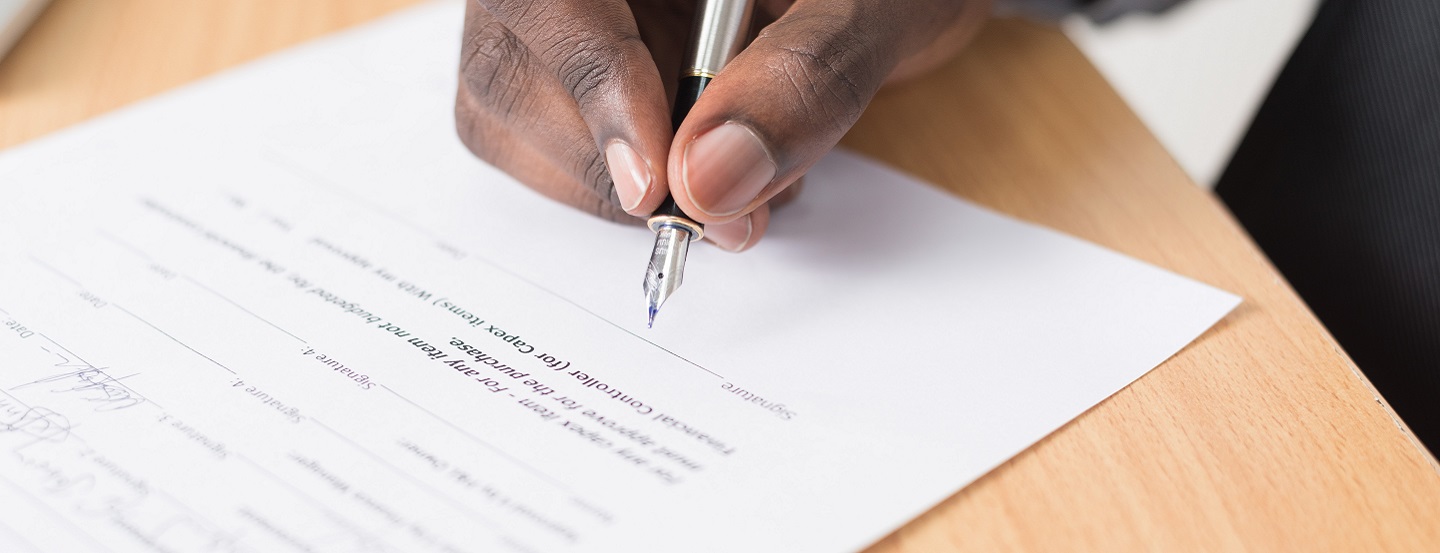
(283, 309)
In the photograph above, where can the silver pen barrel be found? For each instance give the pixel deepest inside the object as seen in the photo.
(719, 34)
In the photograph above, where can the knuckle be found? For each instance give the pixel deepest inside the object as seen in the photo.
(832, 73)
(493, 63)
(515, 10)
(590, 63)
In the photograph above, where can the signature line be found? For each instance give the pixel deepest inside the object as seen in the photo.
(172, 338)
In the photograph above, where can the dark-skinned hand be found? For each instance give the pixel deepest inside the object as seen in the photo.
(571, 97)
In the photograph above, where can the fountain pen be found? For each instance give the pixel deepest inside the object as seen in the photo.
(718, 35)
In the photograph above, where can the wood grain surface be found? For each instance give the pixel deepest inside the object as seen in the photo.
(1260, 436)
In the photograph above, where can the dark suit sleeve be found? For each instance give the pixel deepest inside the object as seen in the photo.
(1097, 10)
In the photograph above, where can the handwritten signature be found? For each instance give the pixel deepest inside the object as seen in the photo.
(91, 383)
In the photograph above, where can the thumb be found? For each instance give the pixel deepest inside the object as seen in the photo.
(789, 97)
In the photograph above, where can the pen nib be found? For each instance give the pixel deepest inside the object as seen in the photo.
(666, 269)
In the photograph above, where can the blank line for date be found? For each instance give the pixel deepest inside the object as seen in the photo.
(141, 254)
(132, 315)
(56, 272)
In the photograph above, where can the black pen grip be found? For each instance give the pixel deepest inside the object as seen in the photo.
(685, 97)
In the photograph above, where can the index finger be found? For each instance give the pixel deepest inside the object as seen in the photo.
(593, 48)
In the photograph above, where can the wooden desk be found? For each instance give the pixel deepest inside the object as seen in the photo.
(1262, 435)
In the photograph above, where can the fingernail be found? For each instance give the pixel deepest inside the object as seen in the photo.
(725, 169)
(733, 236)
(629, 172)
